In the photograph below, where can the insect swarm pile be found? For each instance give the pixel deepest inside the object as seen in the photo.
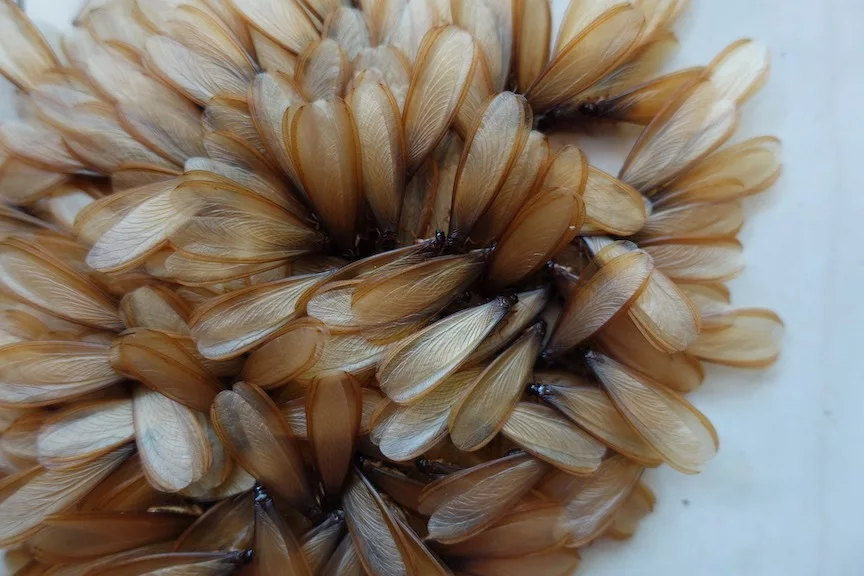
(300, 287)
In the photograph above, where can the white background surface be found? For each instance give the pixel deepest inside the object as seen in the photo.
(784, 495)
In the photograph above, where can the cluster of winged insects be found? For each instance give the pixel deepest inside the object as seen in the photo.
(314, 287)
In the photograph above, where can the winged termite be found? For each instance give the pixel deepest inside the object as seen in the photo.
(519, 533)
(543, 227)
(594, 50)
(662, 313)
(29, 497)
(344, 561)
(691, 221)
(532, 28)
(48, 284)
(750, 339)
(374, 532)
(415, 20)
(672, 426)
(641, 104)
(483, 408)
(26, 54)
(347, 26)
(227, 525)
(257, 436)
(229, 325)
(440, 80)
(466, 504)
(176, 564)
(46, 372)
(325, 150)
(595, 300)
(155, 307)
(418, 204)
(333, 411)
(322, 70)
(637, 506)
(590, 408)
(83, 432)
(421, 289)
(733, 172)
(287, 356)
(72, 537)
(170, 439)
(391, 64)
(382, 146)
(491, 150)
(740, 70)
(547, 435)
(697, 260)
(226, 115)
(515, 192)
(276, 548)
(593, 501)
(687, 129)
(413, 429)
(417, 365)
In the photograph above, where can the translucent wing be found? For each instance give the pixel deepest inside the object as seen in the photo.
(44, 373)
(373, 530)
(751, 339)
(420, 289)
(671, 425)
(733, 172)
(325, 151)
(596, 300)
(155, 307)
(276, 548)
(532, 28)
(486, 403)
(322, 71)
(171, 441)
(611, 205)
(439, 83)
(722, 220)
(29, 497)
(490, 152)
(333, 412)
(284, 22)
(593, 52)
(418, 364)
(347, 26)
(691, 126)
(382, 146)
(257, 436)
(698, 260)
(516, 189)
(227, 525)
(24, 54)
(84, 432)
(591, 506)
(520, 533)
(288, 355)
(740, 70)
(543, 227)
(623, 340)
(227, 326)
(45, 283)
(528, 307)
(590, 408)
(547, 435)
(415, 428)
(480, 496)
(73, 537)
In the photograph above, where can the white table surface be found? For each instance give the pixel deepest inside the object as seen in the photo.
(783, 495)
